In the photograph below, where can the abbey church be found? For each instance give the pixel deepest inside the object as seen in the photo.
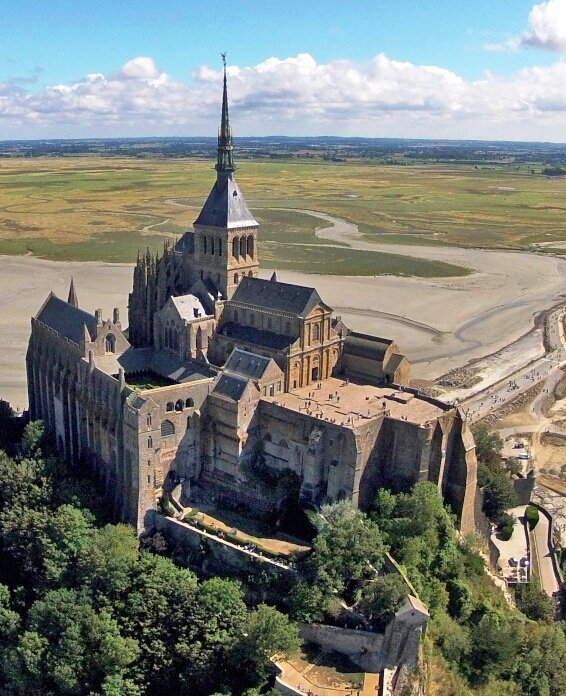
(243, 390)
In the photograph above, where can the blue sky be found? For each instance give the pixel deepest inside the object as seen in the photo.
(434, 68)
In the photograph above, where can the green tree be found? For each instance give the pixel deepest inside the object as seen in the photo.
(268, 633)
(381, 599)
(534, 602)
(307, 602)
(489, 444)
(348, 548)
(498, 496)
(33, 439)
(539, 667)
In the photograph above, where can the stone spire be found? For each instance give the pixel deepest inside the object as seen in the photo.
(72, 299)
(225, 161)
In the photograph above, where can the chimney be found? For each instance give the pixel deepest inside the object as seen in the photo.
(116, 318)
(98, 316)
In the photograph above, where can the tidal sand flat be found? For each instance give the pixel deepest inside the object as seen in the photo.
(439, 323)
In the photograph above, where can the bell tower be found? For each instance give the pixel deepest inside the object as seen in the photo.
(225, 230)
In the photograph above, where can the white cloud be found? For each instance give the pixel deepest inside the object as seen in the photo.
(547, 26)
(295, 96)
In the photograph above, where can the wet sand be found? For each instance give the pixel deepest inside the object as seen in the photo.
(439, 323)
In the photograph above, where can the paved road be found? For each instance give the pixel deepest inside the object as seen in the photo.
(548, 579)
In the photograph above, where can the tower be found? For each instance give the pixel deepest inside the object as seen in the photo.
(225, 231)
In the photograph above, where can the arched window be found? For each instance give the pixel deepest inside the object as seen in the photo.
(170, 407)
(167, 428)
(189, 403)
(150, 442)
(199, 338)
(235, 247)
(316, 332)
(250, 246)
(149, 421)
(236, 279)
(219, 247)
(202, 275)
(204, 245)
(242, 246)
(236, 316)
(110, 343)
(212, 245)
(179, 405)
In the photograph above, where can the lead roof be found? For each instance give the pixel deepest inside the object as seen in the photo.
(66, 319)
(225, 206)
(285, 297)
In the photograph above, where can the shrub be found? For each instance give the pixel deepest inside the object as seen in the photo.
(506, 526)
(532, 516)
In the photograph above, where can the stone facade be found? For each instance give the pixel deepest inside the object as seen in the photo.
(248, 391)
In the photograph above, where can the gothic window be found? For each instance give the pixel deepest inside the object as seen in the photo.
(199, 338)
(110, 343)
(250, 246)
(150, 442)
(272, 390)
(219, 247)
(149, 421)
(179, 405)
(212, 245)
(235, 316)
(170, 406)
(189, 403)
(235, 247)
(167, 428)
(202, 275)
(316, 332)
(242, 246)
(236, 279)
(204, 245)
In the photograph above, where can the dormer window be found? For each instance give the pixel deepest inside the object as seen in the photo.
(110, 343)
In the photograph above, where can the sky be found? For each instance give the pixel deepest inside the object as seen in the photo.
(481, 69)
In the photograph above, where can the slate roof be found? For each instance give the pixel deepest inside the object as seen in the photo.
(230, 386)
(242, 362)
(257, 337)
(225, 206)
(364, 346)
(187, 243)
(67, 320)
(139, 360)
(189, 307)
(295, 299)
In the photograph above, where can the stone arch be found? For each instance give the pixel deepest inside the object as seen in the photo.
(167, 428)
(235, 248)
(242, 246)
(189, 403)
(179, 405)
(110, 343)
(236, 279)
(250, 245)
(170, 406)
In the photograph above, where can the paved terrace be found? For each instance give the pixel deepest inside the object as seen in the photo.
(350, 404)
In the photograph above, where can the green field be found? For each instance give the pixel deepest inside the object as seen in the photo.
(93, 208)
